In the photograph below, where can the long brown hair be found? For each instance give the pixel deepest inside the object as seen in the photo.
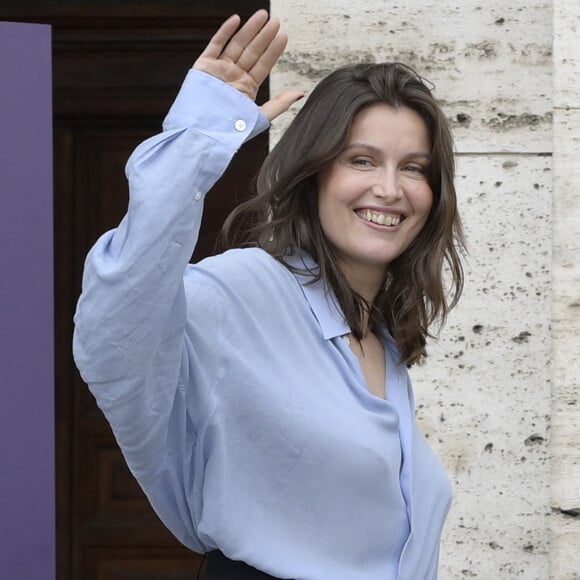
(284, 212)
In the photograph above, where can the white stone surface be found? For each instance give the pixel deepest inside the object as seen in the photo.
(484, 394)
(566, 53)
(565, 443)
(490, 61)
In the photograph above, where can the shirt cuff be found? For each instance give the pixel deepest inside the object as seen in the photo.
(214, 108)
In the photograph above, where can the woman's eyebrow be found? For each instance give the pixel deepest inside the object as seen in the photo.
(375, 150)
(366, 146)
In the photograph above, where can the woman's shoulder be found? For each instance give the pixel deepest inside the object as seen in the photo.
(238, 262)
(241, 268)
(238, 283)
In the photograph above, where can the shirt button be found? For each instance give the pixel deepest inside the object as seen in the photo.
(197, 195)
(240, 125)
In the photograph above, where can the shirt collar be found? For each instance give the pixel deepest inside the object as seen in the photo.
(320, 297)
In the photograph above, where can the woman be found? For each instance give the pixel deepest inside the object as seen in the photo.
(261, 397)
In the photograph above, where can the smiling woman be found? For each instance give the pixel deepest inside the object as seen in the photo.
(374, 197)
(410, 150)
(261, 396)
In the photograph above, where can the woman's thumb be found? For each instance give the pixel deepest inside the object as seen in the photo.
(280, 104)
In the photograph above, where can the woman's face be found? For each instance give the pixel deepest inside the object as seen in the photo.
(374, 197)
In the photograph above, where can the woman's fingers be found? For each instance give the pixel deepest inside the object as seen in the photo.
(280, 104)
(255, 41)
(269, 57)
(221, 38)
(244, 37)
(259, 44)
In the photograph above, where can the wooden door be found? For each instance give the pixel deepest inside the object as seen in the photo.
(117, 66)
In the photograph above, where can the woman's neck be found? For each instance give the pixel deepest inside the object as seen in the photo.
(367, 282)
(364, 282)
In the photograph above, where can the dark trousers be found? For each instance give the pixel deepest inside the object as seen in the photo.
(218, 567)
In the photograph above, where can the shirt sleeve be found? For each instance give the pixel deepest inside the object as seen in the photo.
(129, 332)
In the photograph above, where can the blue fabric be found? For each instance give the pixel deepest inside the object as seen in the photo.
(238, 406)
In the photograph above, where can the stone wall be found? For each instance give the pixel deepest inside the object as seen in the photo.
(497, 396)
(565, 440)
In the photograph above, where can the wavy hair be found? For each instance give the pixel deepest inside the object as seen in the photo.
(426, 280)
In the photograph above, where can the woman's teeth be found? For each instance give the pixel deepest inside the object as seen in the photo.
(381, 219)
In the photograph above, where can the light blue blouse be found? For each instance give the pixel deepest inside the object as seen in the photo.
(238, 406)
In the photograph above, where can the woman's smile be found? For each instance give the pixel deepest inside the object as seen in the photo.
(381, 218)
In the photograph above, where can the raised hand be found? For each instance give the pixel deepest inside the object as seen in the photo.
(244, 59)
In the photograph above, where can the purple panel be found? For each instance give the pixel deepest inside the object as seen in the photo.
(27, 522)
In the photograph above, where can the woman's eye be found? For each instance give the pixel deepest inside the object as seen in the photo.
(419, 169)
(361, 162)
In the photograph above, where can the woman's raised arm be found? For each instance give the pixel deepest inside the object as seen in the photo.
(130, 341)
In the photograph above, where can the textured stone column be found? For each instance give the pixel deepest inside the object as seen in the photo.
(565, 440)
(484, 395)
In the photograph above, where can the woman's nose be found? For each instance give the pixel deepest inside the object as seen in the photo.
(388, 186)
